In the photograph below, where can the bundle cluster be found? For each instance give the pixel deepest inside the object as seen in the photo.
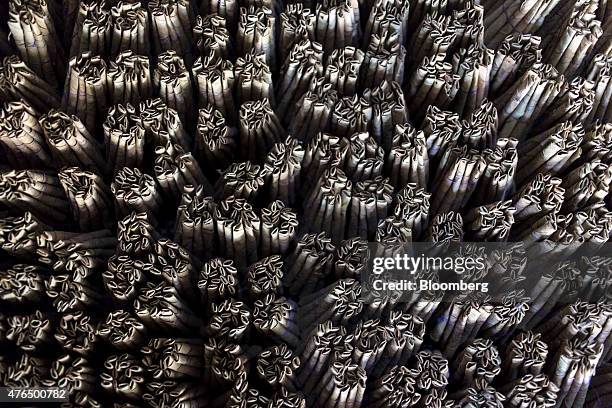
(188, 189)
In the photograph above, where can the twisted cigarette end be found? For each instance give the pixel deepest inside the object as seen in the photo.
(259, 129)
(211, 33)
(241, 180)
(130, 28)
(130, 78)
(70, 142)
(301, 67)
